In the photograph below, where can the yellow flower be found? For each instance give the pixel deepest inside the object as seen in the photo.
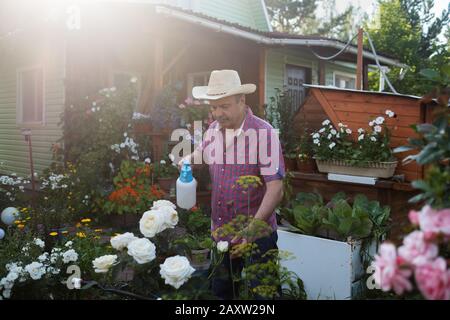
(53, 234)
(21, 226)
(64, 232)
(78, 225)
(81, 235)
(98, 230)
(86, 220)
(17, 222)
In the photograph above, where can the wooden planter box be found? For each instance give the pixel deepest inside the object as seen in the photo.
(356, 108)
(370, 169)
(330, 270)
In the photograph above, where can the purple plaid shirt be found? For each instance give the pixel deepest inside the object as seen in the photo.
(227, 200)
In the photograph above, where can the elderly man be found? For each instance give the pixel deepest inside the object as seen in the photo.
(245, 140)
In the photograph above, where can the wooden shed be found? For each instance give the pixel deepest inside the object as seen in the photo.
(356, 108)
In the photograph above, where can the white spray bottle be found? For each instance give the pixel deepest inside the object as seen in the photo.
(186, 187)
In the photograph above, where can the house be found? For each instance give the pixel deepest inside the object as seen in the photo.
(54, 55)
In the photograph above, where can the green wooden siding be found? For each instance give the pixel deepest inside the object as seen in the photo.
(13, 148)
(249, 13)
(277, 59)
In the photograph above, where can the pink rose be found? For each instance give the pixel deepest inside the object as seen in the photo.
(416, 250)
(433, 280)
(434, 222)
(414, 217)
(389, 274)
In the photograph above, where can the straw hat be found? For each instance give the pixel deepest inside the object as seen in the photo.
(222, 83)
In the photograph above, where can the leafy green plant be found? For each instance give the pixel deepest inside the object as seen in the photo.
(347, 221)
(433, 144)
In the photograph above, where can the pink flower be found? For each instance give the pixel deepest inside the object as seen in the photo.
(414, 217)
(388, 271)
(416, 250)
(433, 280)
(189, 101)
(434, 222)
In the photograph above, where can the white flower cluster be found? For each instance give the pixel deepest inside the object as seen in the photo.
(140, 116)
(15, 182)
(175, 270)
(107, 92)
(55, 181)
(45, 265)
(129, 144)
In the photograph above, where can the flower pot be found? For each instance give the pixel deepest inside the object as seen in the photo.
(369, 169)
(329, 269)
(306, 166)
(200, 259)
(290, 164)
(167, 183)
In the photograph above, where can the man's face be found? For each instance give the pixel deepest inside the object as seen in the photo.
(229, 111)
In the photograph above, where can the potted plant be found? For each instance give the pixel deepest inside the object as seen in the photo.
(304, 155)
(166, 173)
(332, 242)
(370, 156)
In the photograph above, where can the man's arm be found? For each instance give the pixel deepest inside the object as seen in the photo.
(272, 197)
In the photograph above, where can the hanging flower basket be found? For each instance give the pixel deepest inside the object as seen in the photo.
(369, 169)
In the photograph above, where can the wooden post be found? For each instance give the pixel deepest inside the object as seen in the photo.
(321, 72)
(365, 76)
(359, 65)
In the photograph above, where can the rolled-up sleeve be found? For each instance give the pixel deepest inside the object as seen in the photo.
(275, 168)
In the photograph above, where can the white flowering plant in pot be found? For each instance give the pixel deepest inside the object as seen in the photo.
(338, 150)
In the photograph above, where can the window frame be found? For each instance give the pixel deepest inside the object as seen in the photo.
(19, 95)
(345, 74)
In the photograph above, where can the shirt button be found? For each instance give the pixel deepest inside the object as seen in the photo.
(220, 218)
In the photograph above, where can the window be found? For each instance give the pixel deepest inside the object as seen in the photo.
(344, 80)
(196, 79)
(30, 95)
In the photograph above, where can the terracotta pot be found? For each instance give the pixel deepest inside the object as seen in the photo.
(167, 183)
(290, 164)
(306, 166)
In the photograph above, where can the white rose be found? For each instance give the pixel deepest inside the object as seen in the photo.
(76, 283)
(12, 276)
(163, 203)
(35, 269)
(152, 223)
(170, 216)
(222, 246)
(176, 271)
(142, 250)
(121, 241)
(103, 263)
(70, 255)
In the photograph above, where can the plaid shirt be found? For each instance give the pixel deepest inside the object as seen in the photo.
(227, 200)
